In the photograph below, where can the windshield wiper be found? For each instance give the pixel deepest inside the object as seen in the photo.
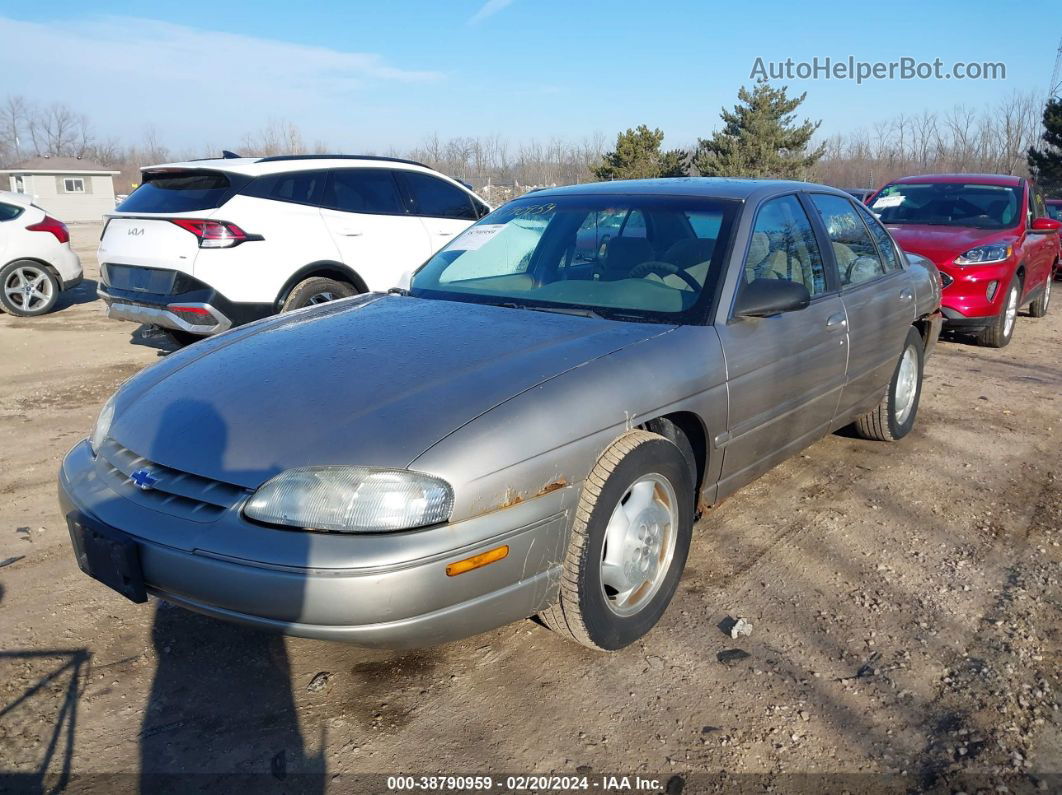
(558, 310)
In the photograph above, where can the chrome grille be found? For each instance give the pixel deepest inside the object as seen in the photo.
(174, 492)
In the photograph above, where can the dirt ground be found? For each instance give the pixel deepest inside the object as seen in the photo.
(904, 600)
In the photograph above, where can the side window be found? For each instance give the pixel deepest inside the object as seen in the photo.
(857, 257)
(438, 199)
(481, 208)
(9, 211)
(364, 190)
(883, 238)
(1039, 209)
(783, 246)
(301, 187)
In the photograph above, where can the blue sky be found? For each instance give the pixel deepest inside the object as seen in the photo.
(371, 75)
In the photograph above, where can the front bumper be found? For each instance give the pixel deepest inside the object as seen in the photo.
(966, 301)
(172, 300)
(386, 590)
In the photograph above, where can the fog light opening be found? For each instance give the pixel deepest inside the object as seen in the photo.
(990, 293)
(477, 561)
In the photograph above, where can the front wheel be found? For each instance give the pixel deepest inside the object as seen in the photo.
(628, 546)
(27, 289)
(894, 417)
(999, 334)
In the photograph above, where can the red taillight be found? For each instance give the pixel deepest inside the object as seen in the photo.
(53, 225)
(212, 234)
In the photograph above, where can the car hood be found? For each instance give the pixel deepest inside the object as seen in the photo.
(942, 244)
(371, 382)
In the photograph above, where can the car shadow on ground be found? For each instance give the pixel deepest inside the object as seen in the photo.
(154, 337)
(84, 293)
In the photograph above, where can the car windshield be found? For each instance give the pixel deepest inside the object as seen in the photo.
(949, 204)
(653, 258)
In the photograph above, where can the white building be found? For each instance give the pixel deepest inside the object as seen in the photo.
(68, 188)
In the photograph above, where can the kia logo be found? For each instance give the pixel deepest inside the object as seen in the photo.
(136, 231)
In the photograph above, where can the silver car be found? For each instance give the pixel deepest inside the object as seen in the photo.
(531, 428)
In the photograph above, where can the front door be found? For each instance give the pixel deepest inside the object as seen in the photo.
(784, 373)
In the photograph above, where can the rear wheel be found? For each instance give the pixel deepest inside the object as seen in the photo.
(999, 334)
(1038, 308)
(316, 290)
(894, 417)
(27, 289)
(629, 542)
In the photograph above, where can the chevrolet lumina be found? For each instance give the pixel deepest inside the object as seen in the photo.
(530, 429)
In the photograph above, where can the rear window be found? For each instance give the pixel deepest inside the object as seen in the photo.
(182, 191)
(9, 211)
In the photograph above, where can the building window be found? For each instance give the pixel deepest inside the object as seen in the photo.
(20, 185)
(74, 185)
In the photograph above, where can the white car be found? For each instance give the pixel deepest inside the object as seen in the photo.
(36, 261)
(205, 245)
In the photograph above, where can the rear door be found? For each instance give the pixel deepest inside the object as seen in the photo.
(785, 372)
(140, 232)
(377, 237)
(444, 208)
(1044, 245)
(877, 295)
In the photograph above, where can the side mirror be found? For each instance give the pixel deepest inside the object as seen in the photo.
(1045, 225)
(764, 297)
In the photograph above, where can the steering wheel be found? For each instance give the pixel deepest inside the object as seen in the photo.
(663, 269)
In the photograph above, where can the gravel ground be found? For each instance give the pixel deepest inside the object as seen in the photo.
(904, 602)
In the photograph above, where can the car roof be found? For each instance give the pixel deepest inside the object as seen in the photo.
(1053, 201)
(10, 197)
(969, 179)
(278, 164)
(714, 187)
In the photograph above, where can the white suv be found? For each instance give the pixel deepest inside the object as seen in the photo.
(205, 245)
(36, 261)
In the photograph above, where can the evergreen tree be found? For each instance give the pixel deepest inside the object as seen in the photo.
(760, 138)
(1045, 164)
(637, 156)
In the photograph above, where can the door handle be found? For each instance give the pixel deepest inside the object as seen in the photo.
(906, 294)
(837, 321)
(350, 233)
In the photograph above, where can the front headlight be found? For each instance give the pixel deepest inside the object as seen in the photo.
(352, 499)
(985, 255)
(102, 427)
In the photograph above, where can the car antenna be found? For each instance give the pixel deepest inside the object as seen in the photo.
(227, 155)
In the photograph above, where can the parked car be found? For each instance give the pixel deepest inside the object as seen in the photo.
(1054, 209)
(206, 245)
(518, 434)
(36, 261)
(991, 239)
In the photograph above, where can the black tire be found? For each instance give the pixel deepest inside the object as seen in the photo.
(1038, 308)
(27, 274)
(881, 423)
(997, 335)
(316, 290)
(582, 612)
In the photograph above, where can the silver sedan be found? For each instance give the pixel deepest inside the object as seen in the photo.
(531, 428)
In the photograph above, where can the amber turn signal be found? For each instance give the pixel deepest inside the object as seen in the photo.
(476, 561)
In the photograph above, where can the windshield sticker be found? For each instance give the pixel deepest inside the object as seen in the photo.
(475, 237)
(884, 202)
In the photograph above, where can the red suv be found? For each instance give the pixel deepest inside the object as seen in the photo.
(990, 236)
